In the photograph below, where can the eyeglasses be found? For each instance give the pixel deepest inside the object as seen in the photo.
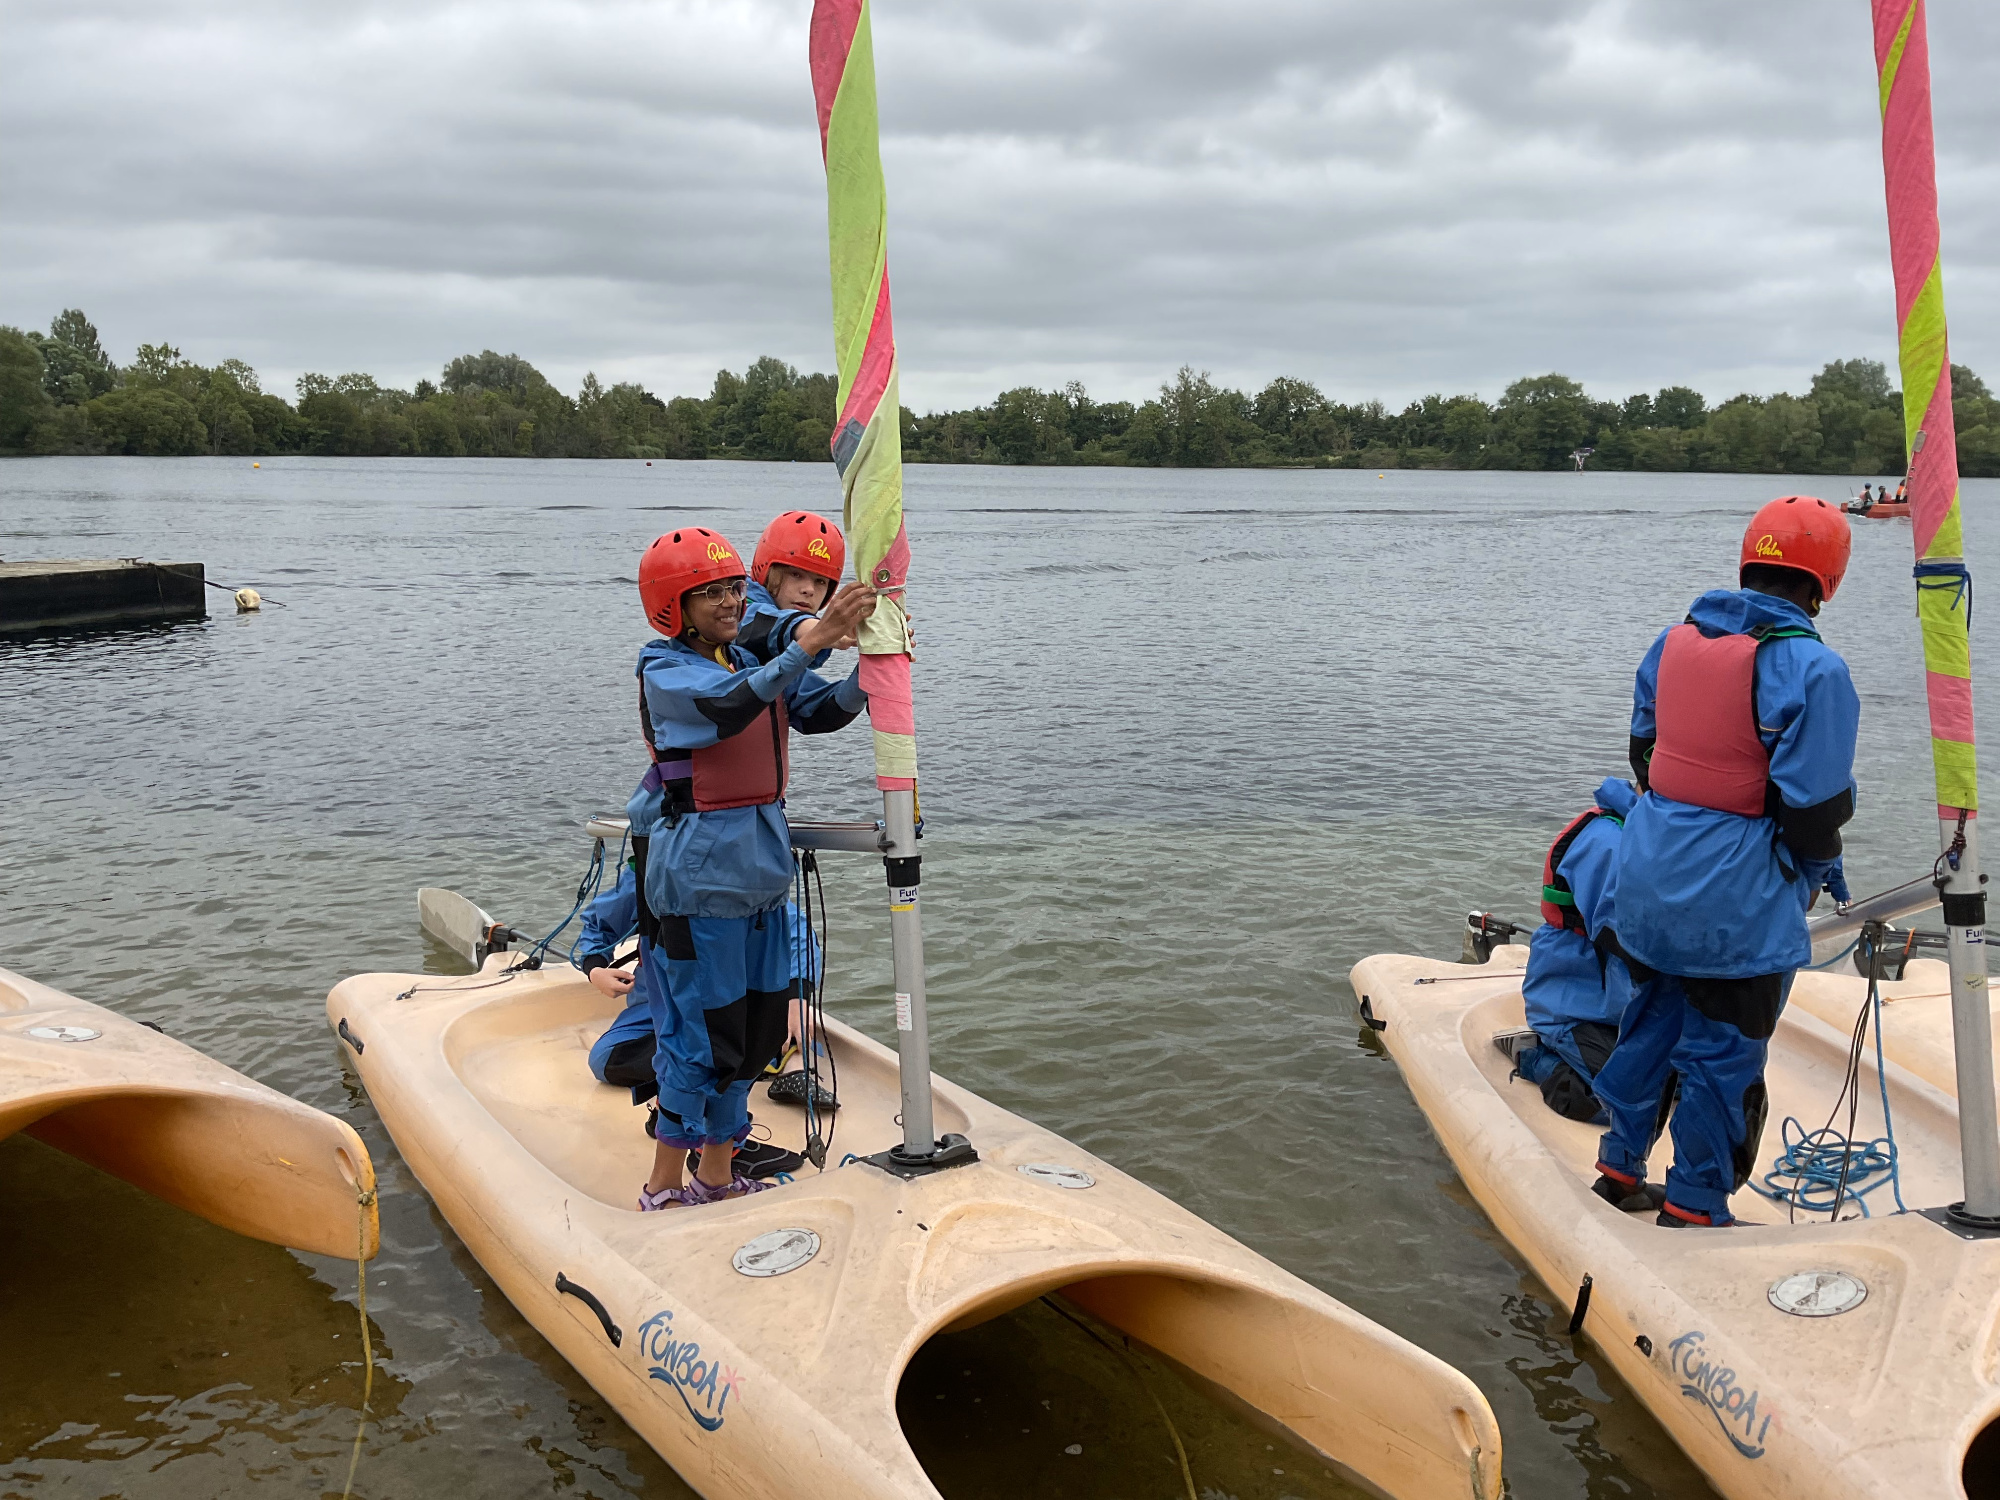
(725, 592)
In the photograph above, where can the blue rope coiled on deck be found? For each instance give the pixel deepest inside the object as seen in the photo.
(1820, 1169)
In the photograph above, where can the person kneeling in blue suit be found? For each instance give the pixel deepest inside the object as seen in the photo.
(1577, 984)
(624, 1054)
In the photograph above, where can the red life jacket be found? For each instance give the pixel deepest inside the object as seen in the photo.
(1558, 902)
(1709, 753)
(748, 769)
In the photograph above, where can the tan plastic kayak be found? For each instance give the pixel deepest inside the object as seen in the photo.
(159, 1114)
(753, 1384)
(1880, 1399)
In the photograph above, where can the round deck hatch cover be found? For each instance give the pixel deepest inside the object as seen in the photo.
(775, 1253)
(65, 1033)
(1055, 1175)
(1818, 1294)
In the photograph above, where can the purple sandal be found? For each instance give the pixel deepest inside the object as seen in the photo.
(698, 1192)
(665, 1198)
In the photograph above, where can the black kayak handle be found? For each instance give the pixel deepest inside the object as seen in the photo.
(589, 1299)
(350, 1038)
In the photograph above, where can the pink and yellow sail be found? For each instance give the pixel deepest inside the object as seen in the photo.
(867, 432)
(1944, 602)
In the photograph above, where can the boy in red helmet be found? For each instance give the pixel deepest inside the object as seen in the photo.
(1743, 735)
(793, 573)
(712, 844)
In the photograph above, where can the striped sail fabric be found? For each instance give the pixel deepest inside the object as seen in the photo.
(1944, 586)
(867, 434)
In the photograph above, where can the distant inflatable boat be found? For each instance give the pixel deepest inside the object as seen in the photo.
(155, 1112)
(1881, 510)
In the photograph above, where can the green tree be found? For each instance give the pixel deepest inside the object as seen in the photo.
(507, 375)
(1199, 421)
(1540, 421)
(75, 366)
(1678, 406)
(147, 420)
(24, 400)
(155, 363)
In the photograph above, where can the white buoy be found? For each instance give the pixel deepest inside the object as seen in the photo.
(248, 600)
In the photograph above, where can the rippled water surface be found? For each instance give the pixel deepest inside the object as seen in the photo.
(1192, 745)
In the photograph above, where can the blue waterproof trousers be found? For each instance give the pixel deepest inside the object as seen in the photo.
(1713, 1053)
(719, 1017)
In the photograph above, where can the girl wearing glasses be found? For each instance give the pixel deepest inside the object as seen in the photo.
(713, 847)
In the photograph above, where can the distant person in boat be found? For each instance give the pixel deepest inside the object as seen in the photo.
(1576, 986)
(1902, 493)
(623, 1055)
(718, 856)
(1743, 736)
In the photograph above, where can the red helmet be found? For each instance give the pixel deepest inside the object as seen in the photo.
(799, 539)
(1803, 533)
(679, 561)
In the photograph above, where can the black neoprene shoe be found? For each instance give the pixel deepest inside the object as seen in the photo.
(791, 1089)
(758, 1160)
(1630, 1198)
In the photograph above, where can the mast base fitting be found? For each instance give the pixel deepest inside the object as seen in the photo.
(1965, 911)
(951, 1150)
(1966, 1226)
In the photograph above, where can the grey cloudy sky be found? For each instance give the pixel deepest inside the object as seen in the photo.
(1387, 199)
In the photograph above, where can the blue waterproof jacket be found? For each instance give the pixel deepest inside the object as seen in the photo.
(1566, 982)
(608, 921)
(614, 916)
(1715, 895)
(766, 629)
(734, 862)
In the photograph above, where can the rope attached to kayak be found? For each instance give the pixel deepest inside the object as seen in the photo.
(809, 888)
(364, 1199)
(1180, 1449)
(1823, 1170)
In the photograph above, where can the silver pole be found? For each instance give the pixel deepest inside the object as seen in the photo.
(906, 934)
(1890, 906)
(1971, 1021)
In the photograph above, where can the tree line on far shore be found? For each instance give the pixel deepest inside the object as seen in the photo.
(61, 393)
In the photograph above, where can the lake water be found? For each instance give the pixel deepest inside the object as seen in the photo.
(1192, 744)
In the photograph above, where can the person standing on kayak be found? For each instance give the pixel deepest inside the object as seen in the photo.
(718, 861)
(1743, 738)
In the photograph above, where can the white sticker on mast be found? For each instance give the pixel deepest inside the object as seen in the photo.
(903, 1021)
(903, 897)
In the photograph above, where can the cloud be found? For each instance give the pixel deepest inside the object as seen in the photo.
(1436, 195)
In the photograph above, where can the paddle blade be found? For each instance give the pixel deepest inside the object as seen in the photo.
(455, 922)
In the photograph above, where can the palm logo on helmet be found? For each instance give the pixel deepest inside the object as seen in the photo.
(1803, 534)
(799, 539)
(679, 561)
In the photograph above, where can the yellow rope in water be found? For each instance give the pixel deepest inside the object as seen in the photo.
(1139, 1373)
(362, 1202)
